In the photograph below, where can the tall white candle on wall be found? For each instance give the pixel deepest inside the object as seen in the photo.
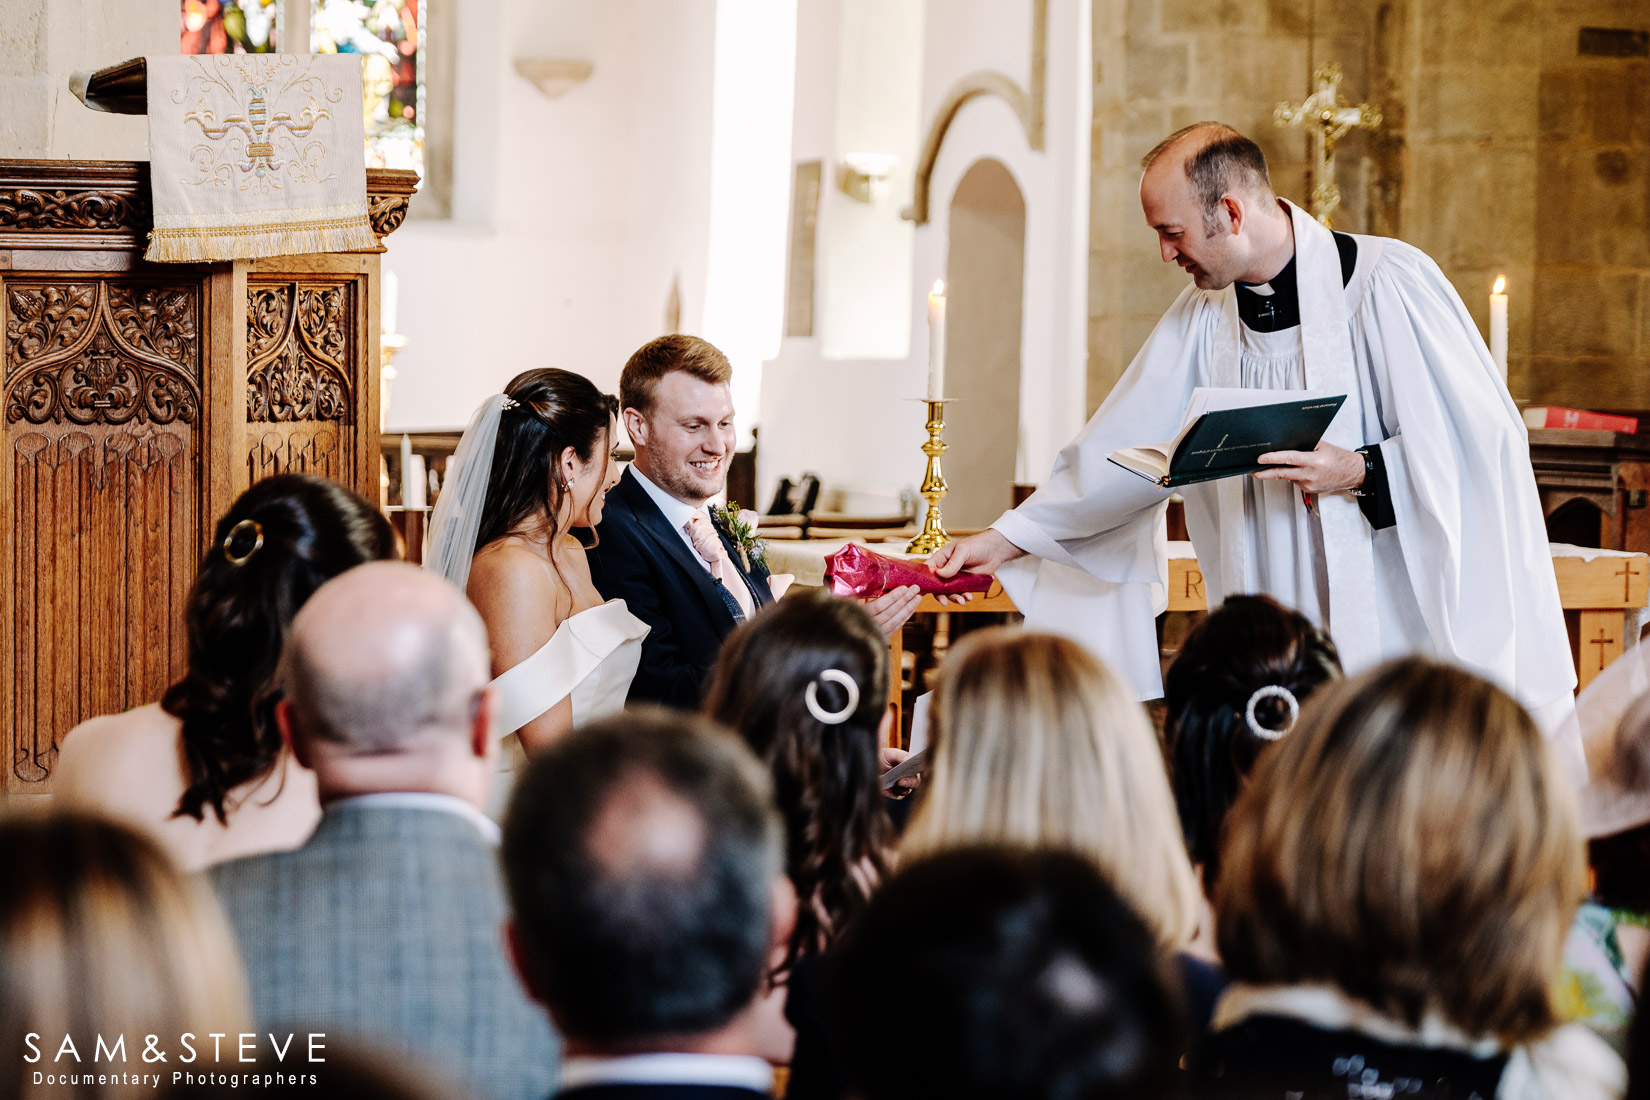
(936, 341)
(1498, 325)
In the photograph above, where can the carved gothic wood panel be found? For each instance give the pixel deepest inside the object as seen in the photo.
(102, 425)
(301, 350)
(136, 402)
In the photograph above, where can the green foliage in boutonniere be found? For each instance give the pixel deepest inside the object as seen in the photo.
(741, 528)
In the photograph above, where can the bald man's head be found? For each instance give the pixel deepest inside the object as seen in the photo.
(1216, 161)
(383, 659)
(1203, 189)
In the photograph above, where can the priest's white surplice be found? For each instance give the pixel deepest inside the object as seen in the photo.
(1464, 575)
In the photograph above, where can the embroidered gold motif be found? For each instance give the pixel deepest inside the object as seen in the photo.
(257, 115)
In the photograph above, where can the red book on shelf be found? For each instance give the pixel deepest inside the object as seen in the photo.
(1553, 416)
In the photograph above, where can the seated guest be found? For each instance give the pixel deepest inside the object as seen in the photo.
(805, 683)
(101, 934)
(646, 873)
(204, 770)
(1606, 952)
(1235, 687)
(664, 549)
(386, 922)
(1020, 974)
(1397, 880)
(1036, 743)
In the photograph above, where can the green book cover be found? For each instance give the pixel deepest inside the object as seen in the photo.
(1226, 442)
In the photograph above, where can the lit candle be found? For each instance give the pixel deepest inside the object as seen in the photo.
(1498, 325)
(936, 341)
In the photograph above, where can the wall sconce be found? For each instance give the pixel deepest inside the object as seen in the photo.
(553, 76)
(864, 176)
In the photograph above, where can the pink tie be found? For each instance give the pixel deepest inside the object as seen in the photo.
(709, 546)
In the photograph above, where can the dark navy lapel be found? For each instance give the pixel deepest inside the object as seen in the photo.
(653, 522)
(755, 582)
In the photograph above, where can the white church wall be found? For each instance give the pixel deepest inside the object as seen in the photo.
(572, 217)
(849, 420)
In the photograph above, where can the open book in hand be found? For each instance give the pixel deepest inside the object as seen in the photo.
(1226, 430)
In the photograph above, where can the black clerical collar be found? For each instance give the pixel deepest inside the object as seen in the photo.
(1275, 306)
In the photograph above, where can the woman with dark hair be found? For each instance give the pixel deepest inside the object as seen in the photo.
(204, 769)
(1235, 687)
(805, 684)
(535, 463)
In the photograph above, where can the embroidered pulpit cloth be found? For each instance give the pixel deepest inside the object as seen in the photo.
(256, 155)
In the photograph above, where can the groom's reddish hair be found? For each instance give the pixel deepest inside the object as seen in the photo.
(657, 358)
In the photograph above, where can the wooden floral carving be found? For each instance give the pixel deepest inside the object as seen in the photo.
(98, 353)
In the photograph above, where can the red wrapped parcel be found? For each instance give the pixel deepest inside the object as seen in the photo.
(864, 574)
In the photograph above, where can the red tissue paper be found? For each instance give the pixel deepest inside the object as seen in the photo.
(864, 574)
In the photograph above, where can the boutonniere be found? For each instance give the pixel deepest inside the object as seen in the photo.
(741, 529)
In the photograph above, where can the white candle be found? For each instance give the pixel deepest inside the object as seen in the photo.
(418, 483)
(1498, 325)
(406, 472)
(389, 292)
(936, 341)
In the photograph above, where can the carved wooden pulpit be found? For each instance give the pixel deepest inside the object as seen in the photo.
(139, 400)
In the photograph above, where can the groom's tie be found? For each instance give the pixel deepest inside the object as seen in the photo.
(729, 584)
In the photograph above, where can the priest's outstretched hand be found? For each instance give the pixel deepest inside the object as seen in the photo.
(981, 553)
(1328, 469)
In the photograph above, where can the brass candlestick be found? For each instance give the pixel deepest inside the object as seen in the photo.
(933, 482)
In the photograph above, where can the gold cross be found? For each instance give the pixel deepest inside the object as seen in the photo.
(1328, 120)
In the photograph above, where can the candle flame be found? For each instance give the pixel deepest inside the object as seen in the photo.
(939, 288)
(1500, 284)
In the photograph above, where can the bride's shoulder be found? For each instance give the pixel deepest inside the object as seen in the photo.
(510, 572)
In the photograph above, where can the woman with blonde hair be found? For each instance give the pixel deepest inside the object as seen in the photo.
(101, 936)
(1037, 743)
(1398, 878)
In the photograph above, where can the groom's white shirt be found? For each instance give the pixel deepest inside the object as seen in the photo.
(677, 513)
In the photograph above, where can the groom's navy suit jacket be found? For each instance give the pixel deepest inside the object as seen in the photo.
(641, 559)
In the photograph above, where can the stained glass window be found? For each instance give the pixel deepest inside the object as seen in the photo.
(388, 36)
(228, 26)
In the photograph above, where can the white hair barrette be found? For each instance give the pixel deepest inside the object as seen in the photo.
(832, 717)
(1271, 691)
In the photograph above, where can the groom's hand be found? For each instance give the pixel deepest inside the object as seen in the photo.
(894, 607)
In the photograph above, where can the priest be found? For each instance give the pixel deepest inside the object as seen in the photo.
(1414, 526)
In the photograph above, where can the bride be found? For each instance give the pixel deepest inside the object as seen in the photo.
(534, 463)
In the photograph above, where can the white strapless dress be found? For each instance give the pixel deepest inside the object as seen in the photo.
(592, 657)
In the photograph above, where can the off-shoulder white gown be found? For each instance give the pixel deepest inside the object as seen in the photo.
(592, 656)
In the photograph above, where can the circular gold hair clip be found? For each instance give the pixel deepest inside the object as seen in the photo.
(257, 530)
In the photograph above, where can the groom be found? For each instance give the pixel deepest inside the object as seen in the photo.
(661, 547)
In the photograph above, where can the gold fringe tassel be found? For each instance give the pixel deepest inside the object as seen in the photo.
(193, 245)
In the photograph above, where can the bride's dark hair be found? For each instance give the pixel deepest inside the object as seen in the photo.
(838, 836)
(280, 541)
(555, 409)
